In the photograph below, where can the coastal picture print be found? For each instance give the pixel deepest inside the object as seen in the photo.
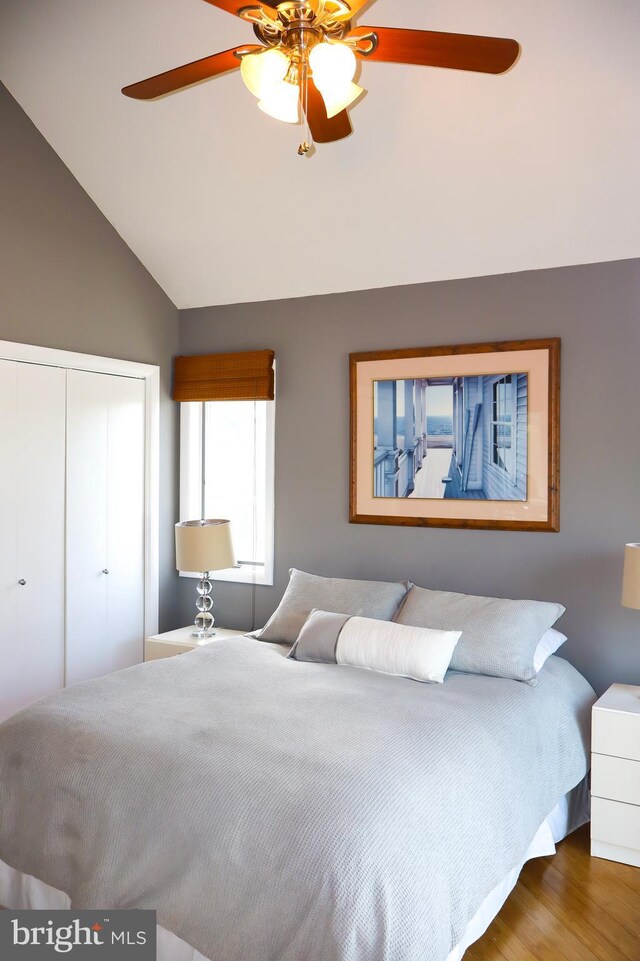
(464, 436)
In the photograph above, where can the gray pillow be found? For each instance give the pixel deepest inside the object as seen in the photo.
(377, 599)
(499, 636)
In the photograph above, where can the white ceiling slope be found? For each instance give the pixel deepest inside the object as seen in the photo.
(448, 174)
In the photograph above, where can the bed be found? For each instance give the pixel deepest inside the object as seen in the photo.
(288, 811)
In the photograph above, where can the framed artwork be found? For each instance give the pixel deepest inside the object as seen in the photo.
(465, 436)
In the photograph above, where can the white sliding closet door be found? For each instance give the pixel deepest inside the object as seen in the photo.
(87, 417)
(125, 521)
(105, 524)
(32, 558)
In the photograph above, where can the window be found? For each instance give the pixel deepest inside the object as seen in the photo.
(227, 470)
(503, 453)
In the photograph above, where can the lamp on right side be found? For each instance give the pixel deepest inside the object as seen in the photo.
(631, 580)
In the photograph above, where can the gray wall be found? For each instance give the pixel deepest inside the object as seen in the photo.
(67, 280)
(596, 311)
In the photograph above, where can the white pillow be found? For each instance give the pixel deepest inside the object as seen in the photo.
(419, 653)
(548, 644)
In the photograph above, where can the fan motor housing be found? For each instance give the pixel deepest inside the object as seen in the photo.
(298, 28)
(301, 38)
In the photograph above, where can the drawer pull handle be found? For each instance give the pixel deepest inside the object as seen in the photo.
(105, 570)
(22, 582)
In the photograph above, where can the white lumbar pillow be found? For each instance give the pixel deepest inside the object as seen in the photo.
(419, 653)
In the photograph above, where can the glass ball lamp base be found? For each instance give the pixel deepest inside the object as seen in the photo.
(205, 620)
(203, 635)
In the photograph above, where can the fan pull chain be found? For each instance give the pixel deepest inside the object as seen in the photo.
(307, 143)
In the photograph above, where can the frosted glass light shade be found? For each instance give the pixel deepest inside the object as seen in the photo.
(262, 72)
(336, 100)
(282, 102)
(631, 582)
(333, 66)
(204, 546)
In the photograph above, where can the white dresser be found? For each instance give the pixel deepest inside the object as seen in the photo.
(615, 775)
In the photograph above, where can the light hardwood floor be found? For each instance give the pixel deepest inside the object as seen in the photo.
(570, 907)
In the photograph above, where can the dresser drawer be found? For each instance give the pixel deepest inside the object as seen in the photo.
(616, 734)
(615, 779)
(615, 823)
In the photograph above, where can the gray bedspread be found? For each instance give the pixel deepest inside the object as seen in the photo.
(272, 810)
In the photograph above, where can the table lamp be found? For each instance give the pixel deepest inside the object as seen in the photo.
(204, 546)
(631, 581)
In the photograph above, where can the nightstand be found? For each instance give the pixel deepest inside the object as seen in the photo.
(181, 641)
(615, 775)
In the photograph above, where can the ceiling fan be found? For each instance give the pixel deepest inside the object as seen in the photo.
(305, 64)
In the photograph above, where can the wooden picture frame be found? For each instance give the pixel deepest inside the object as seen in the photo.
(466, 436)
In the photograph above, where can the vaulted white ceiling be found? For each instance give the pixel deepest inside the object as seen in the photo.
(448, 174)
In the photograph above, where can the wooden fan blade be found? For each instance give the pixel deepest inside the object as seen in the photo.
(426, 48)
(190, 73)
(323, 129)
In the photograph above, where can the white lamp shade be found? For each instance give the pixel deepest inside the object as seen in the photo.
(338, 99)
(204, 546)
(631, 582)
(282, 102)
(334, 66)
(263, 71)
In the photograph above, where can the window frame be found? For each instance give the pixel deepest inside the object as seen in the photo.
(192, 483)
(503, 470)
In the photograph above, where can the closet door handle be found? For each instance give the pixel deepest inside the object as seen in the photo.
(105, 570)
(22, 582)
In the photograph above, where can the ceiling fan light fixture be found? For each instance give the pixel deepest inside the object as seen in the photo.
(282, 102)
(308, 58)
(263, 72)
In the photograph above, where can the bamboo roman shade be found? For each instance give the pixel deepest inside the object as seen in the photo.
(244, 376)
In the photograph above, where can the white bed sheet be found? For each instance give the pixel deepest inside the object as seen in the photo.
(570, 813)
(19, 890)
